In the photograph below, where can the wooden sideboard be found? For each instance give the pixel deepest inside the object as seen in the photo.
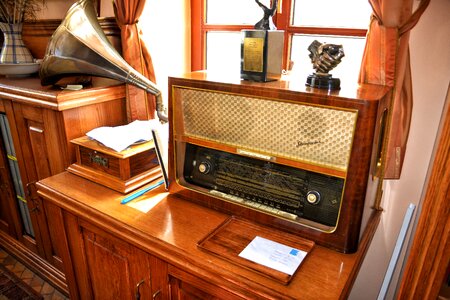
(152, 247)
(109, 249)
(42, 121)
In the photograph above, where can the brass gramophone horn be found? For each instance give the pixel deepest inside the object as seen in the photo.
(79, 46)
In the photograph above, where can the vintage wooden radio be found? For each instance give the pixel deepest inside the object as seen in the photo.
(277, 153)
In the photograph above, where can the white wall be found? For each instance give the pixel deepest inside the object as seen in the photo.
(166, 25)
(430, 64)
(54, 9)
(166, 30)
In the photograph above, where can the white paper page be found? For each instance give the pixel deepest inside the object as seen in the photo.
(161, 138)
(120, 138)
(273, 255)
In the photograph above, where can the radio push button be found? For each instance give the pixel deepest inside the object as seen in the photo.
(227, 196)
(287, 215)
(313, 197)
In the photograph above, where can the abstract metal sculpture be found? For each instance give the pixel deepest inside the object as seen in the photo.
(324, 58)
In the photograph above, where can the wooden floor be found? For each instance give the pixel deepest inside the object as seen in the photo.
(30, 278)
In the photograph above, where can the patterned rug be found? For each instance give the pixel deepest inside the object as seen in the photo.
(12, 288)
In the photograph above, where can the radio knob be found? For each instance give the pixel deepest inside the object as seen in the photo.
(313, 197)
(204, 167)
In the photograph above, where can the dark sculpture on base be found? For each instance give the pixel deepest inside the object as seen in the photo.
(266, 22)
(324, 58)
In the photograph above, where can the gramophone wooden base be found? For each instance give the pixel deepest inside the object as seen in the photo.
(122, 186)
(121, 171)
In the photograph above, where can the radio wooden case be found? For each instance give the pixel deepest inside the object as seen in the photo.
(279, 153)
(121, 171)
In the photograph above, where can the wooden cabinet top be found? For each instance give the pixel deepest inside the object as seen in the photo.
(287, 85)
(170, 228)
(30, 91)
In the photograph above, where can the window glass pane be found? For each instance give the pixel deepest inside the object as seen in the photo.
(346, 71)
(234, 11)
(332, 13)
(223, 51)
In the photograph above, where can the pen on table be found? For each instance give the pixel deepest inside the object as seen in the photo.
(141, 192)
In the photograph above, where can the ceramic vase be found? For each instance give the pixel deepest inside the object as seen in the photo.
(14, 50)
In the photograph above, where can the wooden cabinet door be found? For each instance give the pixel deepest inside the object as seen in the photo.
(159, 279)
(41, 153)
(42, 139)
(99, 265)
(185, 286)
(9, 218)
(24, 221)
(118, 270)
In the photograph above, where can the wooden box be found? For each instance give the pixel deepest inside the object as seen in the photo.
(121, 171)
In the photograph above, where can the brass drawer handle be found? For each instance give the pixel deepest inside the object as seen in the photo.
(137, 295)
(35, 129)
(156, 294)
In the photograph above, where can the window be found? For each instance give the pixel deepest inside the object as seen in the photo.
(216, 26)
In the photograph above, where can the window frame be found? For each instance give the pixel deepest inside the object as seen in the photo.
(199, 29)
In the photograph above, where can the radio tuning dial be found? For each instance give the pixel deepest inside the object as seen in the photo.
(204, 167)
(313, 197)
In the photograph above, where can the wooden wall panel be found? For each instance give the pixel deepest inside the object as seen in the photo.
(36, 35)
(430, 256)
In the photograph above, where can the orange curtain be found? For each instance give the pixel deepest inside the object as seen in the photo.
(386, 61)
(140, 104)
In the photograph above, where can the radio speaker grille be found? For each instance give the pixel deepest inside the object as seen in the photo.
(313, 134)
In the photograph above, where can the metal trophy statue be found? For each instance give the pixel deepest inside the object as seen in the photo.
(324, 58)
(266, 22)
(262, 48)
